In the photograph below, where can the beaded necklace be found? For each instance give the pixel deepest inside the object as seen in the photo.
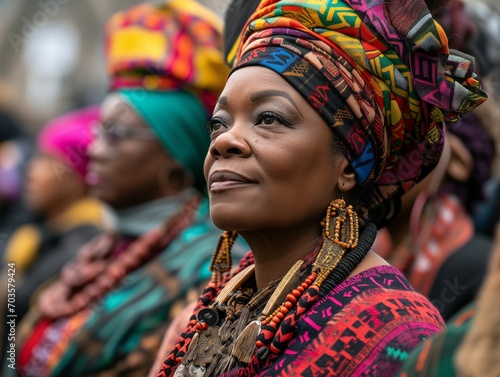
(74, 292)
(274, 326)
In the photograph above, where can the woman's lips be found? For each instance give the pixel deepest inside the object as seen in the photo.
(223, 180)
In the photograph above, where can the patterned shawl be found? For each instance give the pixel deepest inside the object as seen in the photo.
(380, 74)
(366, 326)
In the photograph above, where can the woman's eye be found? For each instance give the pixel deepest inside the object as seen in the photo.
(214, 125)
(269, 118)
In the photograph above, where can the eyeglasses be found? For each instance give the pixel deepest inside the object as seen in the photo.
(113, 132)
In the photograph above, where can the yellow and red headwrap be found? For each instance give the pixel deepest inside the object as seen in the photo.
(168, 45)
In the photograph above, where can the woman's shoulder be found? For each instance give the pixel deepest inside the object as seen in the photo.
(367, 324)
(379, 299)
(84, 213)
(23, 246)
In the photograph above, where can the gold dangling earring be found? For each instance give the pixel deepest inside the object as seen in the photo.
(346, 227)
(221, 260)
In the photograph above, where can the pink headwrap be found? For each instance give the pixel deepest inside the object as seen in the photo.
(67, 138)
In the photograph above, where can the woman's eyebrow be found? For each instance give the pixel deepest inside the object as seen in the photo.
(274, 93)
(222, 100)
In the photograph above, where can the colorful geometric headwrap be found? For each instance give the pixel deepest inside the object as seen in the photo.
(167, 45)
(166, 60)
(379, 72)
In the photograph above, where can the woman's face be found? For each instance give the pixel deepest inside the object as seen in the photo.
(125, 171)
(271, 162)
(51, 186)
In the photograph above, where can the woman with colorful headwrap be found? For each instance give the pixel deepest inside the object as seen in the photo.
(106, 314)
(332, 110)
(57, 192)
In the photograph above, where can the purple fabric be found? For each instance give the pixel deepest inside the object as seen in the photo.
(481, 147)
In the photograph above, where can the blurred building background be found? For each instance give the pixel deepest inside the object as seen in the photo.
(51, 54)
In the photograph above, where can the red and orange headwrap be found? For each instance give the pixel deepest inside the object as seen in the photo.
(380, 74)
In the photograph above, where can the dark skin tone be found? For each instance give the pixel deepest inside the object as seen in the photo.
(272, 170)
(131, 171)
(51, 186)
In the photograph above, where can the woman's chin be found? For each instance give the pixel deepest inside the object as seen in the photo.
(227, 219)
(105, 196)
(228, 224)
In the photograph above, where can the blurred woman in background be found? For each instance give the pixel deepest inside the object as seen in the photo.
(470, 345)
(15, 150)
(107, 313)
(56, 190)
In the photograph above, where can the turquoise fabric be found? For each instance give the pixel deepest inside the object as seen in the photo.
(138, 220)
(178, 119)
(141, 305)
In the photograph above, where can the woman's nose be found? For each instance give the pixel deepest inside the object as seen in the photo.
(230, 144)
(98, 148)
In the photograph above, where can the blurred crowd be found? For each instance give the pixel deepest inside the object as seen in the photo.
(104, 210)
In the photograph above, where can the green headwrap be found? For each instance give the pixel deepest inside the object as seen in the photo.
(178, 119)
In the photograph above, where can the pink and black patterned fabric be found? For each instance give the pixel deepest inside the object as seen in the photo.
(378, 72)
(365, 326)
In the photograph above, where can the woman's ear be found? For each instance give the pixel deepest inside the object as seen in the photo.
(347, 178)
(173, 179)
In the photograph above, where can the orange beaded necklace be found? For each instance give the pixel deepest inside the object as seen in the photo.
(208, 354)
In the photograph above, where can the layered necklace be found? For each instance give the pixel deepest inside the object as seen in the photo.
(95, 271)
(247, 328)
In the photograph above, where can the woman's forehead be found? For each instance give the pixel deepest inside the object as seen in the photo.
(252, 79)
(116, 108)
(110, 101)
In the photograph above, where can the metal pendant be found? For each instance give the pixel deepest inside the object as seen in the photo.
(209, 316)
(209, 344)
